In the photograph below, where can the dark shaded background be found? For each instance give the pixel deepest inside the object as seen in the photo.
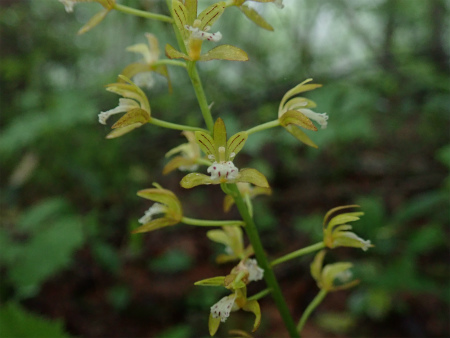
(68, 197)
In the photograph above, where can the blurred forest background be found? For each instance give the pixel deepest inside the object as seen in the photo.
(69, 266)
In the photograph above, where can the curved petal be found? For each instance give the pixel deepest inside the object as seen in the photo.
(135, 68)
(162, 196)
(300, 88)
(236, 143)
(253, 176)
(228, 202)
(194, 179)
(180, 16)
(206, 143)
(297, 118)
(331, 211)
(253, 306)
(210, 15)
(225, 52)
(219, 135)
(134, 116)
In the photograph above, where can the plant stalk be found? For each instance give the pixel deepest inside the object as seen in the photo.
(144, 14)
(298, 253)
(263, 262)
(315, 302)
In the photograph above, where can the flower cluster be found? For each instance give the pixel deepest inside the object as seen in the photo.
(222, 153)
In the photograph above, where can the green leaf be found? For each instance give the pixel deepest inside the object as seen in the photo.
(15, 321)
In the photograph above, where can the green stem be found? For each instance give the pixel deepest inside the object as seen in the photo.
(298, 253)
(264, 126)
(316, 301)
(175, 126)
(201, 97)
(260, 295)
(144, 14)
(210, 223)
(263, 262)
(170, 63)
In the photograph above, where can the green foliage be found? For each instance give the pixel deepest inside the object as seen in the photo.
(173, 260)
(17, 322)
(42, 244)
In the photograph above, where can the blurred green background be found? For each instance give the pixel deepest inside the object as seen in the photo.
(69, 266)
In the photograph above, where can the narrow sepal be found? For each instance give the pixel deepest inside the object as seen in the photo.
(220, 135)
(300, 88)
(176, 162)
(155, 224)
(255, 17)
(300, 135)
(214, 281)
(253, 176)
(225, 52)
(122, 131)
(194, 179)
(94, 21)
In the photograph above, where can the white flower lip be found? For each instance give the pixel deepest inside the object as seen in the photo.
(155, 209)
(223, 170)
(255, 272)
(223, 308)
(203, 35)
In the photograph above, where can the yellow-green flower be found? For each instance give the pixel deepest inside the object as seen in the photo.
(254, 15)
(134, 103)
(167, 204)
(245, 272)
(294, 112)
(222, 152)
(248, 192)
(232, 238)
(195, 29)
(141, 72)
(336, 231)
(332, 277)
(189, 157)
(97, 18)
